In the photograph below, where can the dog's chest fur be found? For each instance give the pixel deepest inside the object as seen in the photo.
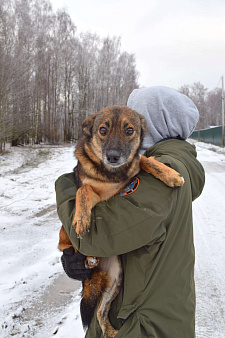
(105, 183)
(103, 189)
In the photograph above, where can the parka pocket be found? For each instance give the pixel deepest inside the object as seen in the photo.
(136, 326)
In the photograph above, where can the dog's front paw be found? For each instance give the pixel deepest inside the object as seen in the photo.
(113, 334)
(81, 223)
(174, 179)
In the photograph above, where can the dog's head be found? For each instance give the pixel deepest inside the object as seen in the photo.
(115, 134)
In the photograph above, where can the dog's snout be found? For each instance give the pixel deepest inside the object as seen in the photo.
(113, 156)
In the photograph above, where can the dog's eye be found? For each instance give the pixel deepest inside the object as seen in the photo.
(129, 131)
(103, 131)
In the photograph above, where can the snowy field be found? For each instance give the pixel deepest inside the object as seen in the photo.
(36, 298)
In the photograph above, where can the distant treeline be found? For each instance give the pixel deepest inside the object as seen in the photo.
(51, 78)
(208, 102)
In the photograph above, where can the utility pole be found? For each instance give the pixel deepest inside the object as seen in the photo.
(222, 111)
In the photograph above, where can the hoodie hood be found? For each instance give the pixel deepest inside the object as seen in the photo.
(168, 113)
(170, 150)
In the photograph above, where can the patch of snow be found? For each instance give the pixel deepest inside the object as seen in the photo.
(29, 228)
(37, 299)
(209, 235)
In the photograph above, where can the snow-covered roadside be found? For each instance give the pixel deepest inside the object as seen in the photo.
(29, 227)
(209, 236)
(31, 278)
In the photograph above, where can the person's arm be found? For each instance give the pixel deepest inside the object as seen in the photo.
(122, 224)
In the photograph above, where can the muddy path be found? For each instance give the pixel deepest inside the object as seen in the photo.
(42, 312)
(54, 298)
(58, 294)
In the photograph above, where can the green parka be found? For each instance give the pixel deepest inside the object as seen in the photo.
(152, 230)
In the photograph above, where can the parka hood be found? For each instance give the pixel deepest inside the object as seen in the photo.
(186, 153)
(168, 113)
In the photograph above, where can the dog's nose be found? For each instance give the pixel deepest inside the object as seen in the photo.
(113, 156)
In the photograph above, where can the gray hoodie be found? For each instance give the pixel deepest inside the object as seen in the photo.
(168, 113)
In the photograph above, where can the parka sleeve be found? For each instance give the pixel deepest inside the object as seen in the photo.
(121, 224)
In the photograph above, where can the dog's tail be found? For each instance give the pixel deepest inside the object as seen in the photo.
(91, 293)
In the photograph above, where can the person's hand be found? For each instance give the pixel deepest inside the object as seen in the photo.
(73, 265)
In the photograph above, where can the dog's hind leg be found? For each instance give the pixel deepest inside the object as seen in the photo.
(161, 171)
(86, 199)
(91, 294)
(112, 266)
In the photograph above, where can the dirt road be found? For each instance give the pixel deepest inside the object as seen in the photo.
(37, 299)
(209, 233)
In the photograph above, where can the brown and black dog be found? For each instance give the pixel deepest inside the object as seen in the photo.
(108, 158)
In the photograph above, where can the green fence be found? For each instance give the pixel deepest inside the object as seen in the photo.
(210, 135)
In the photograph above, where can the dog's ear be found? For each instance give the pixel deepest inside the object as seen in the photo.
(88, 124)
(143, 126)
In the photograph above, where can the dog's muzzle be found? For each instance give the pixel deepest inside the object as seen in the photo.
(114, 158)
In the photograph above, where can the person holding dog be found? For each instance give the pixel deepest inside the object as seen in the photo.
(149, 225)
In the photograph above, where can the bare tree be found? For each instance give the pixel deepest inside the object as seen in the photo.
(198, 93)
(214, 106)
(51, 79)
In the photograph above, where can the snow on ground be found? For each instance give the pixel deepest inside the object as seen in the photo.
(209, 233)
(29, 228)
(36, 298)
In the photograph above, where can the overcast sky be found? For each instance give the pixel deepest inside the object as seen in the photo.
(175, 42)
